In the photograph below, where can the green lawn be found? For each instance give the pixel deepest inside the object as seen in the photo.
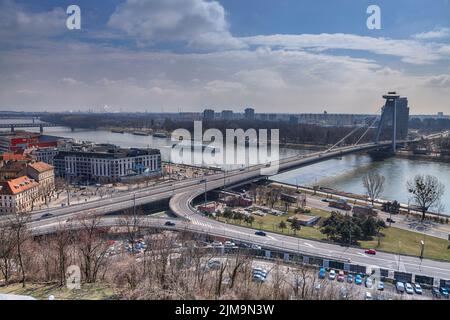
(43, 291)
(271, 222)
(435, 248)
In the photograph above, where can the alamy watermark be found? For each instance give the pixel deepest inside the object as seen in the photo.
(238, 148)
(374, 20)
(73, 22)
(73, 277)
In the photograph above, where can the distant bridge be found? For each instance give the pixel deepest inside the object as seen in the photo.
(41, 125)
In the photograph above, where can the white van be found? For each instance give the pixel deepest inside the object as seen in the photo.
(400, 286)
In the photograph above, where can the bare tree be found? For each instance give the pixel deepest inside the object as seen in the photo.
(63, 239)
(426, 192)
(374, 184)
(21, 235)
(7, 251)
(92, 247)
(132, 225)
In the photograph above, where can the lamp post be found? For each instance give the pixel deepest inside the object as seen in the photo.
(422, 248)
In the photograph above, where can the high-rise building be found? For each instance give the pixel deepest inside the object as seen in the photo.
(398, 106)
(249, 114)
(227, 115)
(208, 114)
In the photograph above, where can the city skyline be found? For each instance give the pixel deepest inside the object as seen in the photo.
(194, 54)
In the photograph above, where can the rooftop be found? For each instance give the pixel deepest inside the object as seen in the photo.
(16, 186)
(41, 166)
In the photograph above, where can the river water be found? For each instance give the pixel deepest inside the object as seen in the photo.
(346, 175)
(341, 174)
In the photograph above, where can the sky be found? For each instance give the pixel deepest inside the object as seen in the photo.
(289, 56)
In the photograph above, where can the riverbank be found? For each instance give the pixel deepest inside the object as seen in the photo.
(423, 157)
(359, 199)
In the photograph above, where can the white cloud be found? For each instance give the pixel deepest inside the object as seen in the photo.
(71, 82)
(436, 33)
(409, 51)
(442, 80)
(199, 23)
(16, 21)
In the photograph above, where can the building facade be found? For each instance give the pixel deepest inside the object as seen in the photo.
(18, 195)
(107, 165)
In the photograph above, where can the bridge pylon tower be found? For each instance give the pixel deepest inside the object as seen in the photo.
(390, 106)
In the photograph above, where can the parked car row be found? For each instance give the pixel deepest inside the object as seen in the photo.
(407, 287)
(350, 278)
(440, 292)
(231, 245)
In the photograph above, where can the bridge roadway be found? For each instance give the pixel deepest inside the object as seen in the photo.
(435, 269)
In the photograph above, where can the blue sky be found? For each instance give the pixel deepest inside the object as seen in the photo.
(285, 55)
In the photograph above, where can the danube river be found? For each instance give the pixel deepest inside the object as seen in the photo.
(344, 174)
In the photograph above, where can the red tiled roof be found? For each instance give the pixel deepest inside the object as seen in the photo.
(15, 186)
(41, 166)
(13, 156)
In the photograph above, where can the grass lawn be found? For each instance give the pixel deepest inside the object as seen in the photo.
(435, 248)
(271, 222)
(43, 291)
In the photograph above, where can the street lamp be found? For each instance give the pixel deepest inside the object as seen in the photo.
(422, 248)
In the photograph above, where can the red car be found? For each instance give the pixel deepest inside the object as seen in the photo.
(371, 251)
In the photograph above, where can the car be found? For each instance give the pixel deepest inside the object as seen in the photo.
(389, 220)
(408, 288)
(400, 287)
(260, 233)
(229, 244)
(46, 215)
(169, 223)
(325, 200)
(358, 279)
(368, 296)
(260, 273)
(444, 292)
(258, 278)
(341, 276)
(369, 283)
(216, 243)
(380, 286)
(322, 273)
(256, 247)
(214, 264)
(350, 278)
(435, 292)
(332, 275)
(418, 288)
(371, 252)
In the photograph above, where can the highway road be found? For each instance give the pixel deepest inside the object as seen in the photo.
(437, 269)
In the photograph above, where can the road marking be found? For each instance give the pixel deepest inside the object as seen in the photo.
(308, 244)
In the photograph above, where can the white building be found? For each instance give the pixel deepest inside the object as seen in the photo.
(18, 195)
(110, 164)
